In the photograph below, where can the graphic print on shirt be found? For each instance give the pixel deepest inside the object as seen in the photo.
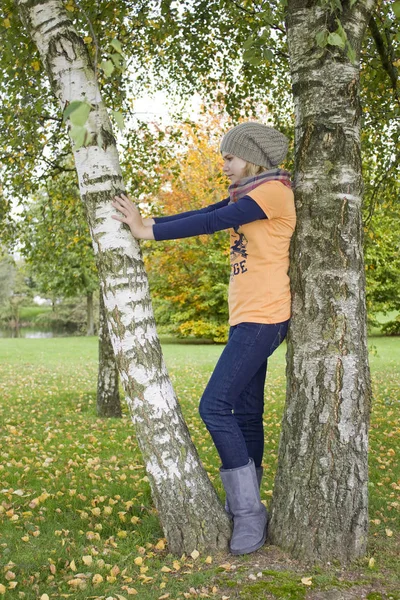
(238, 253)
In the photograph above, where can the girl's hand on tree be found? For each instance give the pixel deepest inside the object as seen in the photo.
(131, 216)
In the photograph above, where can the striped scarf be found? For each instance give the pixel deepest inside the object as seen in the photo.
(242, 187)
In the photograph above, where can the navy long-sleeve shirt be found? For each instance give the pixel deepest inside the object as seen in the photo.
(210, 219)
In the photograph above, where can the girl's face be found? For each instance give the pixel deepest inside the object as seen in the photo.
(234, 167)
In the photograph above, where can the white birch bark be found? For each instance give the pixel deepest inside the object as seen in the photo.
(189, 510)
(320, 501)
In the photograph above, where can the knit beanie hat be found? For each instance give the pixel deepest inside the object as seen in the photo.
(256, 143)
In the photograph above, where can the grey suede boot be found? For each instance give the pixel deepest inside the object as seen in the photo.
(249, 514)
(259, 472)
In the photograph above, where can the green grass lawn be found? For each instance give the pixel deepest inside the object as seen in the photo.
(76, 516)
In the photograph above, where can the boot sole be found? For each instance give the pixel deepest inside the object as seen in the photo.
(252, 548)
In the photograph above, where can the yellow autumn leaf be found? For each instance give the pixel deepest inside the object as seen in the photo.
(2, 589)
(389, 532)
(164, 597)
(131, 591)
(87, 39)
(160, 545)
(96, 579)
(25, 538)
(96, 511)
(135, 520)
(165, 569)
(7, 24)
(75, 583)
(195, 554)
(138, 560)
(371, 562)
(122, 534)
(87, 560)
(177, 565)
(44, 597)
(307, 580)
(208, 560)
(72, 565)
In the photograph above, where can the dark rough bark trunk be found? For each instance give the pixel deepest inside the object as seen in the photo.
(90, 315)
(190, 512)
(320, 501)
(108, 400)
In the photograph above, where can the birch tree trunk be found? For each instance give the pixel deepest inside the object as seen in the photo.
(189, 509)
(108, 400)
(320, 501)
(90, 315)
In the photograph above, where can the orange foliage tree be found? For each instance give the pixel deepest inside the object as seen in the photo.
(189, 277)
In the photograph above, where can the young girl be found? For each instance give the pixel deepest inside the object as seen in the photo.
(261, 215)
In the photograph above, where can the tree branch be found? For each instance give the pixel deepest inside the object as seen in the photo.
(385, 54)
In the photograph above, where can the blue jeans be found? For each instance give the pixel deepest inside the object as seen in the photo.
(233, 402)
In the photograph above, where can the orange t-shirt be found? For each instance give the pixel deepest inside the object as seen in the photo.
(259, 288)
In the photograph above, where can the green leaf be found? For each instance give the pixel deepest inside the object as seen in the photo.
(351, 54)
(248, 43)
(249, 54)
(78, 135)
(334, 39)
(256, 60)
(71, 107)
(267, 54)
(396, 9)
(338, 5)
(108, 67)
(352, 3)
(116, 44)
(119, 119)
(322, 38)
(79, 116)
(118, 61)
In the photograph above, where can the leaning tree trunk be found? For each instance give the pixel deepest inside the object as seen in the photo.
(320, 501)
(108, 400)
(189, 509)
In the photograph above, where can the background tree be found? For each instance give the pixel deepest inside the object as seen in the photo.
(56, 244)
(189, 278)
(16, 289)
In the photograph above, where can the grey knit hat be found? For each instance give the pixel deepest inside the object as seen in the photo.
(256, 143)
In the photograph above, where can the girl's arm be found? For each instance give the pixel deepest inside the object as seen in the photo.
(245, 210)
(189, 224)
(188, 213)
